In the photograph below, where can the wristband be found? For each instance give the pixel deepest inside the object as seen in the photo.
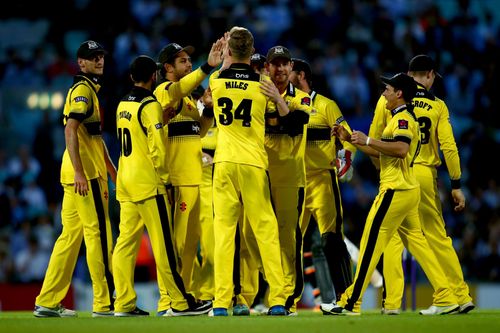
(455, 184)
(367, 143)
(206, 68)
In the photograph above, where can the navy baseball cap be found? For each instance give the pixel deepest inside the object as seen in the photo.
(90, 49)
(257, 59)
(168, 53)
(403, 82)
(423, 63)
(278, 52)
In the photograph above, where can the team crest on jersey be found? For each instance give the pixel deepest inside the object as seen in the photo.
(183, 206)
(306, 101)
(81, 99)
(159, 126)
(402, 124)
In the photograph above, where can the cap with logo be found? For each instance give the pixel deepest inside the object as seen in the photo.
(278, 52)
(142, 68)
(423, 63)
(403, 82)
(90, 49)
(257, 59)
(168, 53)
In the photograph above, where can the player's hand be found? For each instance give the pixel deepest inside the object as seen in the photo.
(344, 165)
(206, 98)
(458, 199)
(215, 56)
(268, 88)
(81, 184)
(340, 132)
(359, 138)
(168, 114)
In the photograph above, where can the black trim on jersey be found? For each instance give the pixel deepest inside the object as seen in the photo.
(290, 90)
(240, 72)
(424, 93)
(103, 237)
(455, 184)
(139, 113)
(294, 122)
(78, 116)
(210, 152)
(93, 128)
(137, 94)
(169, 247)
(402, 138)
(370, 246)
(184, 128)
(318, 134)
(401, 108)
(299, 263)
(206, 68)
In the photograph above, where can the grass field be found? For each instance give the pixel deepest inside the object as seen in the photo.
(478, 321)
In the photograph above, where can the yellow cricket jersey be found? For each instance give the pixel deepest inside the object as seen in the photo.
(142, 169)
(209, 141)
(286, 152)
(435, 130)
(239, 108)
(320, 147)
(82, 104)
(184, 145)
(397, 173)
(436, 133)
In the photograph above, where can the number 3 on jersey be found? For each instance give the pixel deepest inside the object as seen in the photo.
(125, 140)
(242, 111)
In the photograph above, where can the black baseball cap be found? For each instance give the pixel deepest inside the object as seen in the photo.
(142, 68)
(302, 65)
(278, 52)
(257, 59)
(89, 49)
(403, 82)
(168, 53)
(423, 63)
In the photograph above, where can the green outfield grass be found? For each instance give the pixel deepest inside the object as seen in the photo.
(478, 321)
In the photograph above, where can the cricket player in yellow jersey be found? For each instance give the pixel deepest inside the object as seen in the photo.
(141, 191)
(285, 146)
(395, 208)
(323, 200)
(240, 97)
(184, 144)
(84, 177)
(203, 275)
(436, 134)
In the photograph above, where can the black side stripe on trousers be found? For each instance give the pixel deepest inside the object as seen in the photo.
(101, 217)
(236, 263)
(370, 246)
(299, 267)
(169, 246)
(339, 219)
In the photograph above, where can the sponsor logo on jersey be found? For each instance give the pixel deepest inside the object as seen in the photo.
(81, 99)
(196, 129)
(159, 126)
(402, 124)
(339, 120)
(306, 101)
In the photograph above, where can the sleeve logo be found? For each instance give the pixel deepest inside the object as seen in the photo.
(81, 99)
(402, 124)
(159, 126)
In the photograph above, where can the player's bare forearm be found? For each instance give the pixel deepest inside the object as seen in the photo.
(73, 147)
(110, 166)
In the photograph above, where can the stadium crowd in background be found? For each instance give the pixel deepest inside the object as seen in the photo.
(349, 44)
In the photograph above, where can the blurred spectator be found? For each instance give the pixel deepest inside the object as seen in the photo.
(31, 263)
